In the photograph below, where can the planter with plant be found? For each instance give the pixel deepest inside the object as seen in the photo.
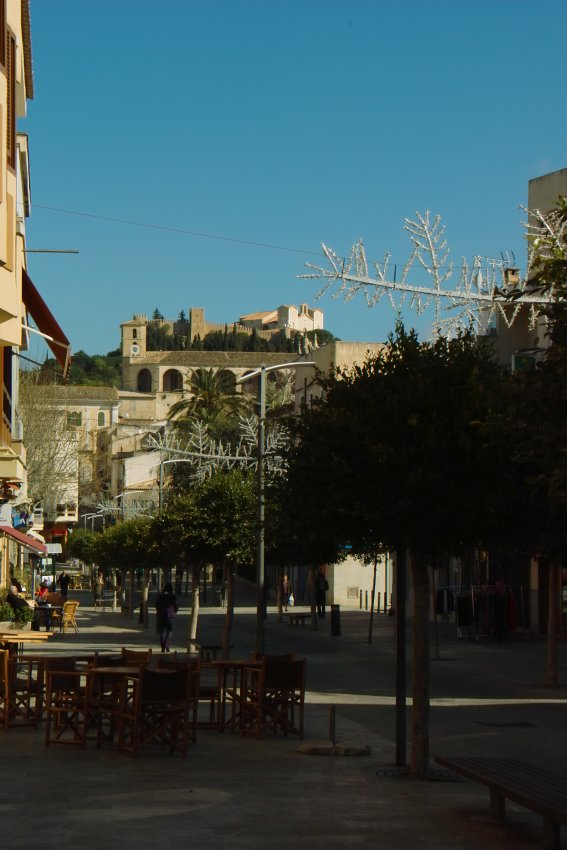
(22, 617)
(6, 610)
(14, 618)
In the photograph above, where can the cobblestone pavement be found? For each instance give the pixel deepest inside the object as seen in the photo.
(488, 698)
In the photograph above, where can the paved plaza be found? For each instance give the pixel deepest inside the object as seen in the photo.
(488, 698)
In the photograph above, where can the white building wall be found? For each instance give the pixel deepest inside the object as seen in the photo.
(350, 583)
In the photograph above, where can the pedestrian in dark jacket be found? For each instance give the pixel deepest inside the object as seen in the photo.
(321, 588)
(166, 609)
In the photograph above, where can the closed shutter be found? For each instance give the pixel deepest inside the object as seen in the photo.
(11, 100)
(3, 32)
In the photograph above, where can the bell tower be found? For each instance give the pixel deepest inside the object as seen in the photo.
(134, 337)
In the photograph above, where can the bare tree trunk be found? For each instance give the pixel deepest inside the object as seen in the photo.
(229, 618)
(192, 637)
(553, 620)
(371, 623)
(419, 763)
(131, 573)
(434, 603)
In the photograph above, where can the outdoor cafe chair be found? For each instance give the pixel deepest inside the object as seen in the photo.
(210, 693)
(136, 656)
(105, 695)
(286, 656)
(274, 698)
(193, 665)
(18, 689)
(68, 615)
(66, 702)
(159, 712)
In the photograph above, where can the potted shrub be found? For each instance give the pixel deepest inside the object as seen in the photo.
(22, 617)
(6, 612)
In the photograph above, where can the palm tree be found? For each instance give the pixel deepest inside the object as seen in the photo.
(211, 399)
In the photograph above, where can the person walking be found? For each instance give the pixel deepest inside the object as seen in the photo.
(286, 590)
(166, 608)
(98, 588)
(64, 582)
(321, 588)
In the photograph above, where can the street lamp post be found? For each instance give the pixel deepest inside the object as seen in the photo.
(92, 517)
(261, 499)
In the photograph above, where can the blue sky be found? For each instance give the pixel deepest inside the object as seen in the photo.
(282, 123)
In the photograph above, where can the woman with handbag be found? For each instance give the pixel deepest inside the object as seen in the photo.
(166, 608)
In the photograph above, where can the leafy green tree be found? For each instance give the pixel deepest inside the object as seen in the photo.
(159, 337)
(213, 523)
(411, 446)
(539, 426)
(321, 337)
(82, 544)
(214, 341)
(126, 546)
(101, 370)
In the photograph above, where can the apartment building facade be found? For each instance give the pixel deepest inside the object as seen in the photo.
(22, 309)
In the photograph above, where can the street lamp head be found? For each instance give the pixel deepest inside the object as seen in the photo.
(263, 369)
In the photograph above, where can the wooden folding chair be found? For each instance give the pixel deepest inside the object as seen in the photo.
(274, 698)
(160, 711)
(194, 666)
(66, 703)
(105, 696)
(18, 688)
(136, 656)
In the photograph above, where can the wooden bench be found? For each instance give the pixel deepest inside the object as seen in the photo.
(296, 618)
(525, 784)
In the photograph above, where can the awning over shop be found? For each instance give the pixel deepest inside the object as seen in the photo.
(29, 542)
(46, 323)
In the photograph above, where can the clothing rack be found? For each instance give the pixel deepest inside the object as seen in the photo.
(485, 610)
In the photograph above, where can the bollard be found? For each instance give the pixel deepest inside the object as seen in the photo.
(360, 595)
(378, 602)
(366, 600)
(335, 620)
(332, 734)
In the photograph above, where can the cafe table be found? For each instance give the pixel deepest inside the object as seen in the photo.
(45, 613)
(14, 639)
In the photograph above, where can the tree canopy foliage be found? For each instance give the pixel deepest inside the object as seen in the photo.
(407, 450)
(538, 428)
(404, 446)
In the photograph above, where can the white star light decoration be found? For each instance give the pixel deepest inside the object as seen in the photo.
(478, 297)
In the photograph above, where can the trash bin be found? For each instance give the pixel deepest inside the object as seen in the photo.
(335, 619)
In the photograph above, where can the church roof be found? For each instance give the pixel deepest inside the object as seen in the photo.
(208, 359)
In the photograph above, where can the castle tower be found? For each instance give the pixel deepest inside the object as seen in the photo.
(197, 324)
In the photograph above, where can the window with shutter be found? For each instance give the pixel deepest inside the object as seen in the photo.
(11, 100)
(3, 32)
